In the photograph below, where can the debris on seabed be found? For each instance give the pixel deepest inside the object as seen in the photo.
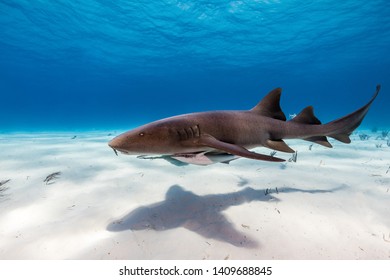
(6, 181)
(294, 157)
(363, 136)
(3, 188)
(51, 177)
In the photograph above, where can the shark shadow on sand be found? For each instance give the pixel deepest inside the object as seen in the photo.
(200, 214)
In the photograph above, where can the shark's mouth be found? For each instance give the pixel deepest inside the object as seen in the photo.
(119, 150)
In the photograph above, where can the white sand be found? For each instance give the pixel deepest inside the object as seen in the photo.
(331, 204)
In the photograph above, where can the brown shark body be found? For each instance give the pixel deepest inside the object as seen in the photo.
(198, 137)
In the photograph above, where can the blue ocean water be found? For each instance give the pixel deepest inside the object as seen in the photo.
(93, 64)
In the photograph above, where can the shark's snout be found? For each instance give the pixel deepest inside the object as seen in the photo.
(113, 144)
(117, 145)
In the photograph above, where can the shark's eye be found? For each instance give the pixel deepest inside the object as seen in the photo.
(141, 134)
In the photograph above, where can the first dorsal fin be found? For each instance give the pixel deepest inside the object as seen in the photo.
(269, 106)
(306, 116)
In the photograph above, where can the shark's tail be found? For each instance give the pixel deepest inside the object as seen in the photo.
(339, 129)
(342, 128)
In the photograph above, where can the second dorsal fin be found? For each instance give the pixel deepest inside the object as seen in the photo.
(306, 116)
(269, 106)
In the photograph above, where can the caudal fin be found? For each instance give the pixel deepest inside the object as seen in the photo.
(342, 128)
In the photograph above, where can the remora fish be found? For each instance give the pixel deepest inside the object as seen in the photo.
(221, 136)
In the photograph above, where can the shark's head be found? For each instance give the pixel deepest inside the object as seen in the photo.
(153, 138)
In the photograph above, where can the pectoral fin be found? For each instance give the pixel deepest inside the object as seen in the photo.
(210, 141)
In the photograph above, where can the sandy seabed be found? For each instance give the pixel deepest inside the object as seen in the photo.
(330, 204)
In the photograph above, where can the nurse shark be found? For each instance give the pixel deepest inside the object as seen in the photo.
(221, 136)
